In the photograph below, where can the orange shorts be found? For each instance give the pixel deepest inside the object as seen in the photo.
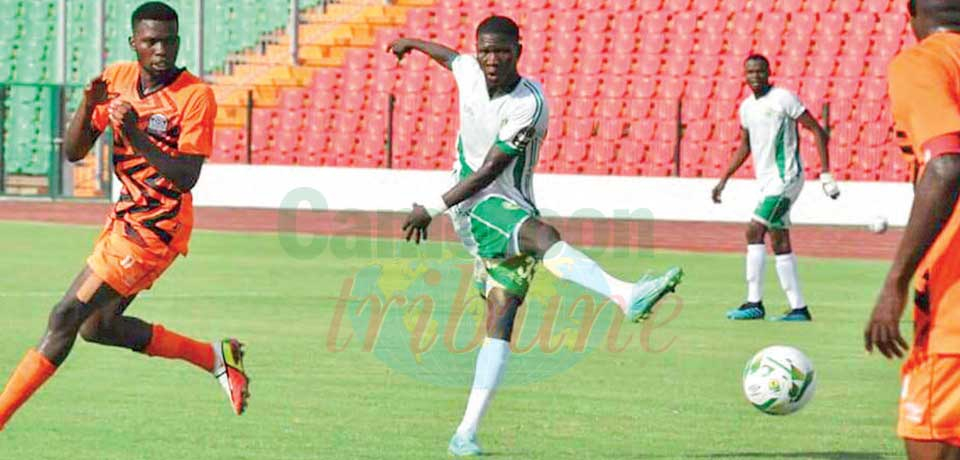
(930, 398)
(125, 262)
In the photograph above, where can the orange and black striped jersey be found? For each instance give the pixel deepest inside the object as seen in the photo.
(178, 119)
(925, 97)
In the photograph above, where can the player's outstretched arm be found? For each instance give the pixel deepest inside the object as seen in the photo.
(419, 218)
(823, 142)
(81, 134)
(933, 203)
(738, 158)
(443, 55)
(183, 169)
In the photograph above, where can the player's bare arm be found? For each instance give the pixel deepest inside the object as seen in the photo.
(934, 201)
(440, 53)
(419, 218)
(738, 158)
(823, 142)
(81, 134)
(183, 170)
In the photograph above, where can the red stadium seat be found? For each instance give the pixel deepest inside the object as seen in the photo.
(649, 64)
(538, 20)
(685, 23)
(626, 22)
(611, 107)
(586, 87)
(714, 23)
(876, 6)
(566, 21)
(710, 45)
(678, 65)
(639, 108)
(652, 43)
(706, 66)
(614, 87)
(822, 66)
(700, 89)
(582, 107)
(671, 88)
(892, 24)
(739, 46)
(695, 109)
(654, 22)
(619, 64)
(596, 22)
(626, 42)
(744, 23)
(705, 6)
(816, 6)
(831, 24)
(557, 85)
(874, 89)
(846, 6)
(681, 44)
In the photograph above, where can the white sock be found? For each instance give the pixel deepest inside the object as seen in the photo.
(756, 258)
(789, 281)
(567, 263)
(491, 364)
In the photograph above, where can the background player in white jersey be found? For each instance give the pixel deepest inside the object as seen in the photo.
(503, 122)
(768, 118)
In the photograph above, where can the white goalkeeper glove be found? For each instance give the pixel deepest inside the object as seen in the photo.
(829, 185)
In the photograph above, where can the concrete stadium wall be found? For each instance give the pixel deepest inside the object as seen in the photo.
(680, 199)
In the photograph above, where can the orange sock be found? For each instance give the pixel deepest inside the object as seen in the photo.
(166, 344)
(32, 372)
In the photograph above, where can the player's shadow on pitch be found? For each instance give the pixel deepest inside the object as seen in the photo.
(810, 455)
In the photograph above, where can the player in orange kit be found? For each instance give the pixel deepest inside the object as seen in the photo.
(162, 117)
(925, 93)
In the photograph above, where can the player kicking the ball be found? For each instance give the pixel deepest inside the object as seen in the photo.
(768, 118)
(162, 117)
(503, 122)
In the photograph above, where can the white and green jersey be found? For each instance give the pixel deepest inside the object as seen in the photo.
(771, 121)
(516, 122)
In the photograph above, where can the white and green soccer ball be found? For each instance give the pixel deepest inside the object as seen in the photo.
(779, 380)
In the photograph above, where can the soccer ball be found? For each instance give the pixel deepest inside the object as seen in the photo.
(779, 380)
(877, 225)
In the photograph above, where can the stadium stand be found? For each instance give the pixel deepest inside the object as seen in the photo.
(615, 72)
(28, 41)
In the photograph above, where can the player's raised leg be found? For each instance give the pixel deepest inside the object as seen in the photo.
(491, 365)
(223, 359)
(789, 280)
(755, 265)
(636, 300)
(87, 295)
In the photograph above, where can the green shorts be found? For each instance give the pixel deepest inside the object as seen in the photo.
(490, 231)
(773, 211)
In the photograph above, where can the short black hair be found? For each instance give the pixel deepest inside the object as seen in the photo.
(499, 25)
(757, 57)
(912, 8)
(154, 11)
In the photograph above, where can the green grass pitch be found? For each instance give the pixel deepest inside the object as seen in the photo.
(673, 393)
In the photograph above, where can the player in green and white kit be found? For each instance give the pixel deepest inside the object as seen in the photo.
(503, 122)
(769, 119)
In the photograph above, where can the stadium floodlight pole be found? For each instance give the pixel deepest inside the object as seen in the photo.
(198, 13)
(62, 169)
(62, 42)
(293, 30)
(105, 181)
(100, 33)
